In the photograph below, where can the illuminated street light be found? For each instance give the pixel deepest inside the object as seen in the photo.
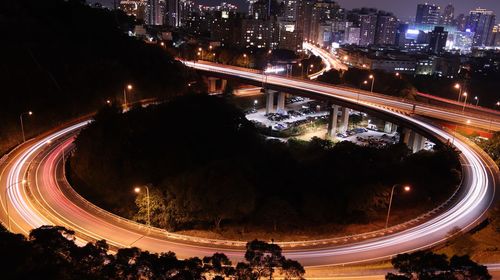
(397, 74)
(29, 113)
(406, 189)
(108, 101)
(127, 88)
(477, 100)
(23, 181)
(371, 77)
(459, 87)
(465, 101)
(138, 190)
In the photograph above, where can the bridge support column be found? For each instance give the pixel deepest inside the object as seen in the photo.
(345, 120)
(404, 136)
(223, 85)
(394, 128)
(280, 108)
(388, 127)
(212, 84)
(269, 101)
(332, 121)
(418, 142)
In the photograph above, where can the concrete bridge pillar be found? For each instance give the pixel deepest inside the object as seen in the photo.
(388, 127)
(281, 102)
(269, 101)
(223, 85)
(404, 136)
(212, 84)
(394, 128)
(344, 125)
(332, 121)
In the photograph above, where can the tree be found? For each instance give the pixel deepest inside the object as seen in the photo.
(332, 76)
(263, 258)
(157, 208)
(219, 265)
(464, 268)
(425, 265)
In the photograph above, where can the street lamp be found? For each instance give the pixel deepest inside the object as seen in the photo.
(125, 89)
(138, 190)
(397, 74)
(459, 87)
(255, 102)
(497, 104)
(29, 113)
(371, 77)
(477, 100)
(310, 68)
(245, 59)
(23, 181)
(465, 101)
(406, 189)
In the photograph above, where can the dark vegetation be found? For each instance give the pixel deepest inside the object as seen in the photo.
(386, 83)
(425, 265)
(61, 59)
(206, 165)
(50, 252)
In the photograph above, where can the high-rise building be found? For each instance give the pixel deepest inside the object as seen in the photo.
(368, 28)
(481, 22)
(385, 33)
(496, 36)
(437, 40)
(327, 10)
(290, 10)
(352, 35)
(136, 8)
(448, 15)
(172, 13)
(306, 22)
(259, 33)
(460, 22)
(427, 14)
(288, 35)
(155, 11)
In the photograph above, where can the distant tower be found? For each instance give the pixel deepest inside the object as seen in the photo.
(427, 14)
(448, 15)
(481, 22)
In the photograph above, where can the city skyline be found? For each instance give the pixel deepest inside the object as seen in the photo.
(402, 9)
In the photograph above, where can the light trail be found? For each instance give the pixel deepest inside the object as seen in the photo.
(47, 199)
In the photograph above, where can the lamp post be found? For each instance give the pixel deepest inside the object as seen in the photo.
(406, 189)
(371, 77)
(245, 59)
(459, 87)
(125, 89)
(477, 100)
(138, 190)
(29, 113)
(23, 181)
(465, 102)
(497, 104)
(310, 68)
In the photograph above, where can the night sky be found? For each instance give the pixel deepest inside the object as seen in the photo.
(401, 8)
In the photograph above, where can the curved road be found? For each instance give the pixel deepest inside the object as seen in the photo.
(47, 198)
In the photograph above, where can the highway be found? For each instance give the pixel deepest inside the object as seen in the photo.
(47, 198)
(356, 97)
